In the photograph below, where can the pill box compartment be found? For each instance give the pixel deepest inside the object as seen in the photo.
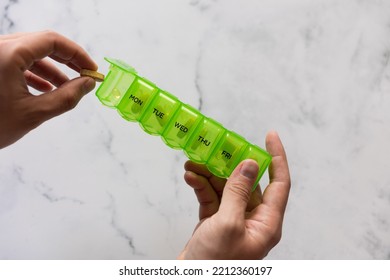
(114, 86)
(181, 126)
(203, 141)
(226, 154)
(158, 112)
(136, 100)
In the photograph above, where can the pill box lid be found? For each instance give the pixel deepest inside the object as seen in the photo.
(122, 65)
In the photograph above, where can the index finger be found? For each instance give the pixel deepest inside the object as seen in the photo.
(276, 194)
(216, 182)
(36, 46)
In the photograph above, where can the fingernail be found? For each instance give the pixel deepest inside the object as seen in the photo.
(89, 85)
(249, 169)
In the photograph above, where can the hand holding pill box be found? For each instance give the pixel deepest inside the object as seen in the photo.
(181, 126)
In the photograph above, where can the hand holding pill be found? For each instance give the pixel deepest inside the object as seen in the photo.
(26, 60)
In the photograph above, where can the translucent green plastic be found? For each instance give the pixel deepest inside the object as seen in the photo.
(181, 126)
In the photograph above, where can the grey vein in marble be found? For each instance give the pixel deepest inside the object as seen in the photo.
(122, 233)
(6, 23)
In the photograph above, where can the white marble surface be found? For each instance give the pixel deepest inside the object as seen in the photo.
(89, 185)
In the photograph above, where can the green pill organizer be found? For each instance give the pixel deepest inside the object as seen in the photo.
(202, 139)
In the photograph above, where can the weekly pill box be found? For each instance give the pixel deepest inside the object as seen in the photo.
(180, 126)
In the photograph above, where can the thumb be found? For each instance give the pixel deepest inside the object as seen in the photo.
(64, 98)
(238, 188)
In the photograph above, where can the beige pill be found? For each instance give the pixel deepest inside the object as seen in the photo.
(93, 74)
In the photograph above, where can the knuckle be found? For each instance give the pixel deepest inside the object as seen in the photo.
(240, 189)
(9, 51)
(275, 237)
(274, 234)
(15, 52)
(288, 181)
(50, 33)
(69, 102)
